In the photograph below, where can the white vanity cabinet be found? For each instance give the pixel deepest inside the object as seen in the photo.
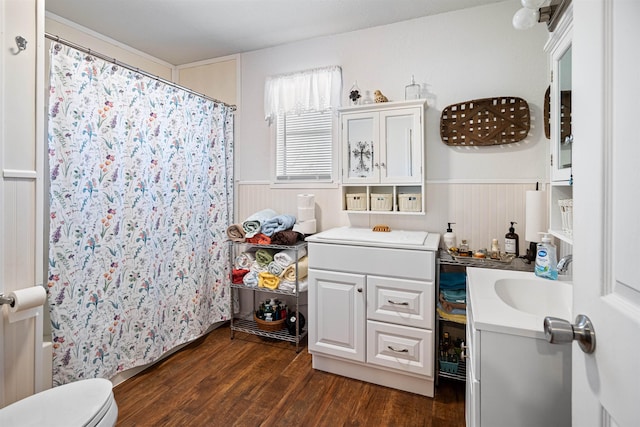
(383, 150)
(372, 310)
(514, 376)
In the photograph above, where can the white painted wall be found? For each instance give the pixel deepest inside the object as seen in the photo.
(458, 56)
(77, 34)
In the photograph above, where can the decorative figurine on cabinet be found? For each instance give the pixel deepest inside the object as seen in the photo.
(379, 97)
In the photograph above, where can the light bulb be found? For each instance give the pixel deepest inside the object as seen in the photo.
(532, 4)
(525, 18)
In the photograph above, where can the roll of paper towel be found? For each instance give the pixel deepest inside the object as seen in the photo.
(535, 215)
(305, 214)
(27, 298)
(306, 200)
(305, 227)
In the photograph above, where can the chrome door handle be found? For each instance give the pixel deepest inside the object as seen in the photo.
(560, 331)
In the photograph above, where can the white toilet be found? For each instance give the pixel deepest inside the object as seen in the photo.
(84, 403)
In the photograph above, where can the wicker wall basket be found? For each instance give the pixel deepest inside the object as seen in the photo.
(488, 121)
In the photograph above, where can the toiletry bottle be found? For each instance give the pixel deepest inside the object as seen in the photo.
(546, 261)
(495, 249)
(512, 241)
(464, 248)
(449, 237)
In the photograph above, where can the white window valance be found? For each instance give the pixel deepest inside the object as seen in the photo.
(317, 89)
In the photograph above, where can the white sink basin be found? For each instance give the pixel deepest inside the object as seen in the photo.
(516, 302)
(536, 296)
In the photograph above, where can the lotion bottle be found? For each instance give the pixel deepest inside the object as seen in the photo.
(449, 237)
(512, 241)
(546, 260)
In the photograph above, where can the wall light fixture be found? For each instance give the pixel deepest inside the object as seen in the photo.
(532, 12)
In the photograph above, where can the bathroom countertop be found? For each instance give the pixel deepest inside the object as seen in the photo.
(401, 239)
(492, 313)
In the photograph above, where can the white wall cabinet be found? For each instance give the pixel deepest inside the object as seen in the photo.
(561, 188)
(383, 151)
(372, 311)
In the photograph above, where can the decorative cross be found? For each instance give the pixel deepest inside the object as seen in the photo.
(362, 152)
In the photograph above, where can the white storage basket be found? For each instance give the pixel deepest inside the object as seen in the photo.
(357, 202)
(381, 202)
(410, 202)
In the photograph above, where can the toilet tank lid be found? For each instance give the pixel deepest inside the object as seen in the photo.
(81, 403)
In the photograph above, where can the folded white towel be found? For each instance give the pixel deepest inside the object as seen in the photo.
(257, 268)
(250, 279)
(288, 256)
(288, 286)
(244, 260)
(275, 268)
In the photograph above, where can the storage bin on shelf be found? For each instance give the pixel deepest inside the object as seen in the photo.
(381, 202)
(410, 202)
(356, 201)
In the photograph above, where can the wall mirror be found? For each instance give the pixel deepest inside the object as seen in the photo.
(565, 137)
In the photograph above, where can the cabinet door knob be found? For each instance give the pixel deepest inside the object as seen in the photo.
(360, 290)
(383, 165)
(376, 165)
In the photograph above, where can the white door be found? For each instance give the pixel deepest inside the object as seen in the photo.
(606, 383)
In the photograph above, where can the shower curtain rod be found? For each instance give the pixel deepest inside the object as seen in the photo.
(88, 51)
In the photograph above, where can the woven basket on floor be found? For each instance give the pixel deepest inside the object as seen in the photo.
(273, 326)
(488, 121)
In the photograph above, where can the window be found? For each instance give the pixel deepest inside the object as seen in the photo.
(304, 146)
(301, 106)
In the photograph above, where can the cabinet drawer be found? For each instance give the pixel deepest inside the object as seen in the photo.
(400, 347)
(404, 302)
(405, 263)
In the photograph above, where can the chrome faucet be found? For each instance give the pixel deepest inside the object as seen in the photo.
(564, 262)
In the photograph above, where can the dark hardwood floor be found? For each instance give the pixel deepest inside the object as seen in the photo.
(250, 381)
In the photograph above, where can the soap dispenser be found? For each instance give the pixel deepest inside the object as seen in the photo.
(449, 237)
(546, 260)
(512, 241)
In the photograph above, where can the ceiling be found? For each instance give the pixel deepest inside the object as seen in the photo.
(185, 31)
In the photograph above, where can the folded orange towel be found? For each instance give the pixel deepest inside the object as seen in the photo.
(259, 239)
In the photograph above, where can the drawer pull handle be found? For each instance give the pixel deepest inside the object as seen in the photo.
(397, 303)
(404, 350)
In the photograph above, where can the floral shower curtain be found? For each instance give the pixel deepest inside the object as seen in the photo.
(140, 199)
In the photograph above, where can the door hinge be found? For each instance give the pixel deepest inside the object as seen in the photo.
(551, 77)
(551, 160)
